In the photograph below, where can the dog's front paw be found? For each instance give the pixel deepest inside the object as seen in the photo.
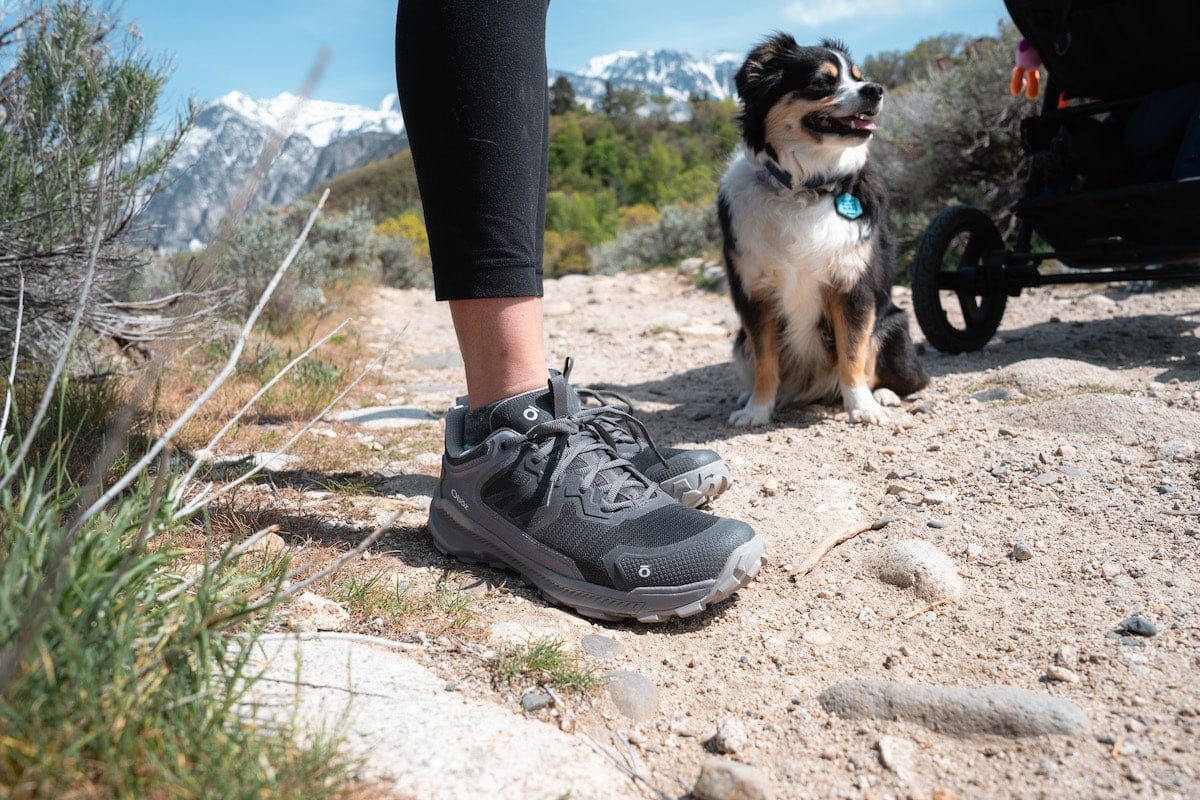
(751, 416)
(887, 398)
(870, 416)
(863, 407)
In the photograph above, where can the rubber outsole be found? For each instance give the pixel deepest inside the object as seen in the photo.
(701, 485)
(455, 535)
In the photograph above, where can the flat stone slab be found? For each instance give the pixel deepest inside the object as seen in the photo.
(1000, 711)
(399, 718)
(384, 417)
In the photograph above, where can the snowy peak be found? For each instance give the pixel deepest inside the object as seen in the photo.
(667, 73)
(319, 121)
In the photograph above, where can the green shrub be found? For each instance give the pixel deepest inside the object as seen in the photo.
(682, 231)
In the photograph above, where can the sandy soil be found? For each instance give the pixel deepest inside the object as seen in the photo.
(1057, 468)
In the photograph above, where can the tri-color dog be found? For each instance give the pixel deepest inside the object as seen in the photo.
(808, 247)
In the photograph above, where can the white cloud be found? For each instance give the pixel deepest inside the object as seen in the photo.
(815, 13)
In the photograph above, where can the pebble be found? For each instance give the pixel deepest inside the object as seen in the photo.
(1138, 626)
(727, 780)
(731, 736)
(1046, 479)
(921, 566)
(1111, 569)
(900, 756)
(272, 545)
(1061, 674)
(997, 395)
(634, 695)
(1021, 552)
(601, 646)
(974, 552)
(956, 711)
(1066, 655)
(533, 701)
(818, 637)
(1072, 472)
(311, 613)
(936, 523)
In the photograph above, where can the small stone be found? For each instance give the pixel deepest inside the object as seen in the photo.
(731, 736)
(1021, 552)
(272, 545)
(1060, 674)
(883, 522)
(726, 780)
(944, 794)
(900, 756)
(1138, 625)
(1111, 569)
(956, 711)
(311, 613)
(1066, 451)
(634, 695)
(935, 523)
(601, 646)
(818, 637)
(1066, 655)
(974, 552)
(938, 498)
(770, 487)
(1072, 472)
(534, 701)
(921, 566)
(1046, 479)
(996, 395)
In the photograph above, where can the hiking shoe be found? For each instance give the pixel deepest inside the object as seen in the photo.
(546, 494)
(694, 477)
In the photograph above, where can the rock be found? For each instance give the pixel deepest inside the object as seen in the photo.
(1000, 711)
(533, 701)
(996, 395)
(919, 565)
(559, 308)
(731, 736)
(818, 637)
(725, 780)
(601, 646)
(271, 545)
(384, 417)
(900, 756)
(1021, 552)
(400, 727)
(1054, 377)
(1111, 569)
(634, 695)
(274, 462)
(1061, 674)
(1138, 626)
(311, 613)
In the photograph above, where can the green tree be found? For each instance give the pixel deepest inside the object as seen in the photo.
(562, 96)
(79, 98)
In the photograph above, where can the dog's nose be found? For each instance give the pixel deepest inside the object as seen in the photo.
(871, 91)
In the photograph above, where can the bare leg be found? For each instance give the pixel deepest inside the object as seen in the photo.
(501, 343)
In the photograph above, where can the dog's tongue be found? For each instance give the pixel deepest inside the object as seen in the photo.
(858, 123)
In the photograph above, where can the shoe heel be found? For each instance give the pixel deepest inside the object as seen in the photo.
(452, 537)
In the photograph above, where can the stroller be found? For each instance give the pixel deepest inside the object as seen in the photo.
(1113, 187)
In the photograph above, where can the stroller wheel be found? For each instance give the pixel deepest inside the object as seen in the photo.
(954, 316)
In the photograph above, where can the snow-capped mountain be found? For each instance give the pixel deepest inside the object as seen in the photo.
(217, 158)
(325, 139)
(667, 73)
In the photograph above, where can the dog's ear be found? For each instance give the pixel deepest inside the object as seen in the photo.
(763, 70)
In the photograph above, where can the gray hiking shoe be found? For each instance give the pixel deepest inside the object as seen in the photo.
(694, 476)
(546, 494)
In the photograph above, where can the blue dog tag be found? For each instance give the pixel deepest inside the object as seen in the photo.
(848, 206)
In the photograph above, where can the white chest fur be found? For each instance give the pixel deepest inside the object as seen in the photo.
(791, 245)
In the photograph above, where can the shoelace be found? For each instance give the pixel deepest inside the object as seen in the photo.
(588, 431)
(616, 429)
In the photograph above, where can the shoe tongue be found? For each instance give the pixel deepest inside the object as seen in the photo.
(523, 411)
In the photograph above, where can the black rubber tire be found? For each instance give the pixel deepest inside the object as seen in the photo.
(981, 314)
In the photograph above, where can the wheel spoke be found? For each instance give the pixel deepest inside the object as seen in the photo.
(970, 308)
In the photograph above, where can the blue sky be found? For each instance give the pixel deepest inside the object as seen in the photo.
(266, 47)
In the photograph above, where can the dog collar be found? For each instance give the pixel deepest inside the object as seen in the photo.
(817, 183)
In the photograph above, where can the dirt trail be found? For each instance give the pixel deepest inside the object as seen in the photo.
(1057, 468)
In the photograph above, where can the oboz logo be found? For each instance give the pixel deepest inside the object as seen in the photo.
(458, 499)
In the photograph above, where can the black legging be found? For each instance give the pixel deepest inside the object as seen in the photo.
(472, 83)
